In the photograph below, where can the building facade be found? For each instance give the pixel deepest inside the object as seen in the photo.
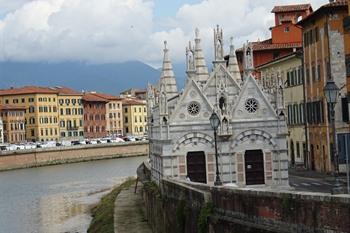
(94, 116)
(1, 131)
(41, 113)
(70, 109)
(13, 120)
(286, 73)
(251, 137)
(135, 117)
(114, 112)
(134, 93)
(286, 36)
(324, 59)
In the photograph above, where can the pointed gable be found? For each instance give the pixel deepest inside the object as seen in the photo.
(252, 104)
(167, 79)
(192, 106)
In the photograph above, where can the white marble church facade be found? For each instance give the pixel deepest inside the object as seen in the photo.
(251, 138)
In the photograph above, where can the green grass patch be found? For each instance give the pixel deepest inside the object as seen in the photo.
(103, 212)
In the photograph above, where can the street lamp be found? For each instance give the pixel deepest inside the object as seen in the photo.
(331, 92)
(215, 122)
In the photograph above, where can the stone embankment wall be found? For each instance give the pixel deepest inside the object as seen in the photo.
(180, 207)
(59, 155)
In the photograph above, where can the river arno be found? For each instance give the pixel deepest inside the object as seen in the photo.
(56, 199)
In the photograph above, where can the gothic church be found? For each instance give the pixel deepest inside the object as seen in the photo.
(251, 137)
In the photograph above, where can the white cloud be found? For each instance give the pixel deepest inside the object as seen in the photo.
(121, 30)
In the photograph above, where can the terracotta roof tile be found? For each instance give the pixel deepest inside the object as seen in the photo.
(325, 8)
(93, 98)
(106, 96)
(289, 8)
(66, 91)
(27, 90)
(267, 45)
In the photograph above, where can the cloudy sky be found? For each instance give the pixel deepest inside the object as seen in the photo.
(100, 31)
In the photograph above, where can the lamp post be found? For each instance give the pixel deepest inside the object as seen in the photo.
(215, 122)
(331, 92)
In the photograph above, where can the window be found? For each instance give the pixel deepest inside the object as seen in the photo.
(126, 129)
(251, 105)
(125, 110)
(32, 132)
(347, 64)
(298, 149)
(23, 100)
(286, 29)
(135, 119)
(345, 109)
(126, 119)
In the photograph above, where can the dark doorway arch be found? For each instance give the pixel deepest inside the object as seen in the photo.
(254, 167)
(196, 166)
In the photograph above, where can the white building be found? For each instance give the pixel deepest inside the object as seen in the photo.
(252, 135)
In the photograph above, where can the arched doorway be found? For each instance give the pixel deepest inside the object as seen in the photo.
(254, 167)
(196, 166)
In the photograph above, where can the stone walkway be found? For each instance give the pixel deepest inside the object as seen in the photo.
(128, 214)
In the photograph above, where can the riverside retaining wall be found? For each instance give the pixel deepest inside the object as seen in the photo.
(180, 207)
(59, 155)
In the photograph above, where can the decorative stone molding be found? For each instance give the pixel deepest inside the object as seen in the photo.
(253, 135)
(194, 138)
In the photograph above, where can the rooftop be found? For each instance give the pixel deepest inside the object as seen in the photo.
(38, 90)
(289, 8)
(93, 98)
(324, 8)
(27, 90)
(106, 96)
(267, 45)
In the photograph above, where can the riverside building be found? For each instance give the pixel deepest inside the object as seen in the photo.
(251, 138)
(135, 117)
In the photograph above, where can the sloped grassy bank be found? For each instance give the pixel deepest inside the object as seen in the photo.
(102, 214)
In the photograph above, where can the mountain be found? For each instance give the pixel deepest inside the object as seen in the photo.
(108, 78)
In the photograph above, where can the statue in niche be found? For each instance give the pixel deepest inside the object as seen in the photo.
(224, 125)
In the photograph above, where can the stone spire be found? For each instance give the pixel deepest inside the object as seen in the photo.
(233, 67)
(200, 65)
(248, 58)
(167, 82)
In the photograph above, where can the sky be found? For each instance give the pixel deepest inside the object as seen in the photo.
(108, 31)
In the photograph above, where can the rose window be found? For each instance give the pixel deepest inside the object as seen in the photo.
(193, 108)
(251, 105)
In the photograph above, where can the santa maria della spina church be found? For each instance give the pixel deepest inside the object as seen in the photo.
(251, 138)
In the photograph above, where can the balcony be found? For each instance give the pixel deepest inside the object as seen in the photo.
(72, 127)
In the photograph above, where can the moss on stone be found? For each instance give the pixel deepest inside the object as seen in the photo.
(103, 212)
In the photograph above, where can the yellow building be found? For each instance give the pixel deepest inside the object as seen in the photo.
(134, 117)
(286, 73)
(41, 114)
(70, 111)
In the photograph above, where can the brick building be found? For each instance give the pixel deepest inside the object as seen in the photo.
(286, 36)
(324, 58)
(94, 116)
(13, 118)
(114, 113)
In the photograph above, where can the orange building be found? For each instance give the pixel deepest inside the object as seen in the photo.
(13, 123)
(286, 36)
(114, 112)
(323, 44)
